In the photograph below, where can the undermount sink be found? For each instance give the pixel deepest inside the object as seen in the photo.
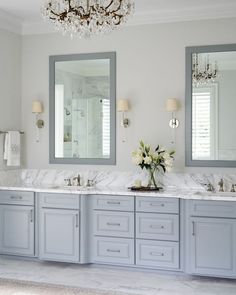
(72, 187)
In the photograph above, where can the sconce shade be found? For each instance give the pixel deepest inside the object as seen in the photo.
(172, 105)
(123, 105)
(37, 107)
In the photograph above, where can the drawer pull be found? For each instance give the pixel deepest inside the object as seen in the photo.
(157, 226)
(156, 254)
(16, 197)
(113, 203)
(31, 215)
(77, 220)
(113, 251)
(157, 205)
(113, 224)
(193, 228)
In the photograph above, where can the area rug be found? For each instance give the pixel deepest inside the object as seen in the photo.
(14, 287)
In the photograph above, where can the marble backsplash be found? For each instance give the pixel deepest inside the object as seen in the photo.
(50, 177)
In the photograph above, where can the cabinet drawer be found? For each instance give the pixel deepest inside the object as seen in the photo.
(157, 226)
(156, 254)
(64, 201)
(116, 203)
(114, 224)
(17, 198)
(212, 208)
(158, 205)
(113, 250)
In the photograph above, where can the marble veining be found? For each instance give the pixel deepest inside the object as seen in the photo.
(179, 185)
(105, 278)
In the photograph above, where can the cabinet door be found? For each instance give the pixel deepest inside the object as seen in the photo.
(213, 246)
(59, 235)
(17, 230)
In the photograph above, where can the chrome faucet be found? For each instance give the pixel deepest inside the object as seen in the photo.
(221, 184)
(78, 180)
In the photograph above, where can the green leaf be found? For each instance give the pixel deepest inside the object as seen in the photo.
(163, 167)
(142, 143)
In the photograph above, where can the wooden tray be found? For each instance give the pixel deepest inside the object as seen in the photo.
(145, 189)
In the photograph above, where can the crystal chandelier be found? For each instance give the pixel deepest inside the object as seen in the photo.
(87, 18)
(204, 72)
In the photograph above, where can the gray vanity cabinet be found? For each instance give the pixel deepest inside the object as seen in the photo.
(157, 233)
(113, 229)
(59, 227)
(17, 230)
(17, 223)
(211, 240)
(213, 244)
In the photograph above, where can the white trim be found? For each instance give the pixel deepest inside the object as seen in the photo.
(168, 16)
(15, 24)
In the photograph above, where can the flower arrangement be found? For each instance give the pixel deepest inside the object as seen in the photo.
(153, 160)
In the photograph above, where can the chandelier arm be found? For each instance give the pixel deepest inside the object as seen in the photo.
(118, 7)
(109, 5)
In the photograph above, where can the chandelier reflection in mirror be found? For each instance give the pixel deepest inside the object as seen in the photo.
(203, 71)
(87, 18)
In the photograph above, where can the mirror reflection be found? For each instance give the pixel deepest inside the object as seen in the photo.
(214, 106)
(82, 109)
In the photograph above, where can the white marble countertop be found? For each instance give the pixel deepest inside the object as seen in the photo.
(194, 194)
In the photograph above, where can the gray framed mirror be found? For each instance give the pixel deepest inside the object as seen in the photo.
(211, 106)
(82, 110)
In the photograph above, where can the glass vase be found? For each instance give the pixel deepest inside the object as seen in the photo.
(152, 183)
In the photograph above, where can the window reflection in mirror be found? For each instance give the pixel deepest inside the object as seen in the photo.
(214, 106)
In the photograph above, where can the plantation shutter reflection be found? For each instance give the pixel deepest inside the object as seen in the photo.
(106, 127)
(201, 124)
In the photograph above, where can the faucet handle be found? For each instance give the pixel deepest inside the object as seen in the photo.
(90, 182)
(233, 188)
(68, 180)
(210, 187)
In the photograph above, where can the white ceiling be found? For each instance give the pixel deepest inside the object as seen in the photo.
(27, 12)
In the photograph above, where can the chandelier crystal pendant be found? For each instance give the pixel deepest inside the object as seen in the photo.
(204, 72)
(87, 18)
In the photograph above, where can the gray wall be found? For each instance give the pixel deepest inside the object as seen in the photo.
(10, 85)
(150, 69)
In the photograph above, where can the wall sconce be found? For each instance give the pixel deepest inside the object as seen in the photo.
(172, 106)
(123, 106)
(37, 108)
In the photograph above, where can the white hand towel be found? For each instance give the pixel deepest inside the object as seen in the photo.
(12, 148)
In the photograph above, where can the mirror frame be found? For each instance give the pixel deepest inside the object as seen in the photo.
(189, 162)
(83, 56)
